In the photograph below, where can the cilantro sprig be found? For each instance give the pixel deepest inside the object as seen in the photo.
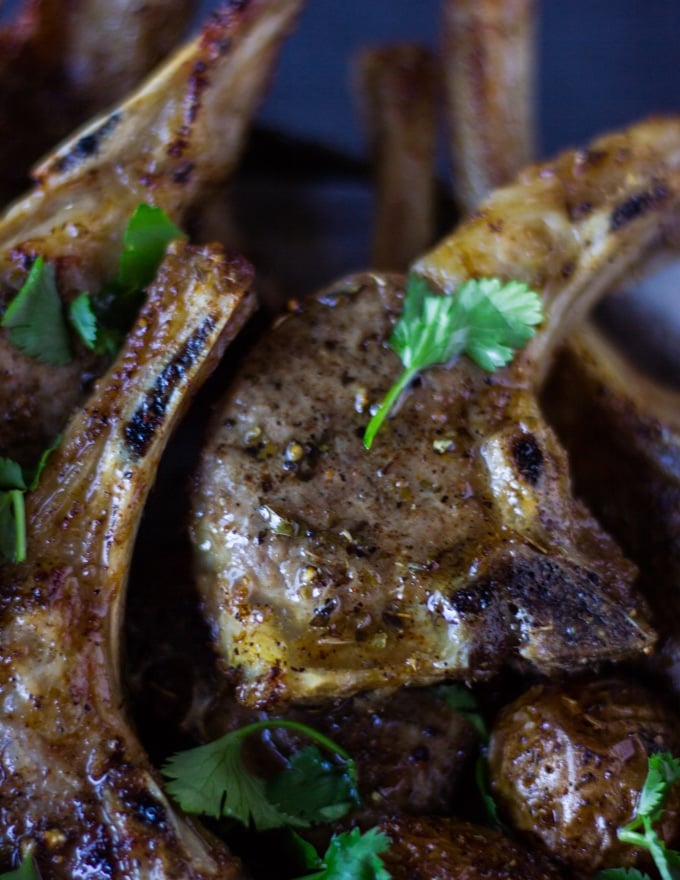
(213, 780)
(38, 323)
(486, 319)
(15, 482)
(35, 319)
(353, 856)
(663, 772)
(112, 311)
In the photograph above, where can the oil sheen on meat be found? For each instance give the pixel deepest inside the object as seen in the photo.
(76, 789)
(455, 545)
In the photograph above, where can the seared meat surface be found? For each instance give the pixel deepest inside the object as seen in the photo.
(76, 788)
(176, 136)
(455, 545)
(446, 849)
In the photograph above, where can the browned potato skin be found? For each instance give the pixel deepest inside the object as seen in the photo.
(567, 765)
(447, 849)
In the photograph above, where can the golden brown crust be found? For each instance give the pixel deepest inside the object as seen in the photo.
(62, 62)
(75, 785)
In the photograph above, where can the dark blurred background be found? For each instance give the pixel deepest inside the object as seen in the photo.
(602, 64)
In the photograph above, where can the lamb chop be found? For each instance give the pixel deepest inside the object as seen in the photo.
(76, 789)
(455, 545)
(179, 134)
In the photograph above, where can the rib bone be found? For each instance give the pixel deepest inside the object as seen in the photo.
(76, 787)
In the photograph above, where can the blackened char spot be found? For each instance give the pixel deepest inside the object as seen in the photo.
(148, 417)
(88, 145)
(528, 458)
(636, 206)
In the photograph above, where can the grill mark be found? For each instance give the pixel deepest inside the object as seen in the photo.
(528, 458)
(88, 145)
(149, 416)
(637, 205)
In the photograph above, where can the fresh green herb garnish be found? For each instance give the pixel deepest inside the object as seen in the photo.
(354, 856)
(486, 319)
(663, 772)
(213, 780)
(83, 319)
(313, 788)
(15, 481)
(25, 871)
(115, 307)
(35, 318)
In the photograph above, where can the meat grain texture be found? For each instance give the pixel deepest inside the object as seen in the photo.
(455, 545)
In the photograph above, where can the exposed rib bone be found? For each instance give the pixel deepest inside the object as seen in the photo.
(488, 60)
(397, 91)
(60, 63)
(75, 785)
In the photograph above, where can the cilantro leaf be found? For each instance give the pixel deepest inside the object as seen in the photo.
(213, 780)
(663, 772)
(115, 306)
(11, 474)
(83, 319)
(35, 318)
(486, 318)
(146, 238)
(354, 856)
(313, 788)
(25, 871)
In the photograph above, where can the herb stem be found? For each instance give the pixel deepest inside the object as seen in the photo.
(389, 400)
(297, 727)
(17, 496)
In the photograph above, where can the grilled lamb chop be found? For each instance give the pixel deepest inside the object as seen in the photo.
(76, 788)
(179, 134)
(455, 545)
